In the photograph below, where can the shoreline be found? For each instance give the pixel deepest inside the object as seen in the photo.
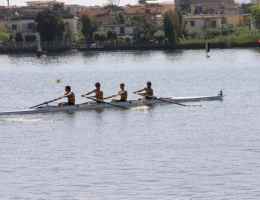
(82, 48)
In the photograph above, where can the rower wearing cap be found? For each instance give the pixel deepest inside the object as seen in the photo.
(148, 94)
(70, 95)
(122, 92)
(98, 92)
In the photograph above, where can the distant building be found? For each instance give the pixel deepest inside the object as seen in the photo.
(43, 3)
(27, 25)
(75, 9)
(120, 29)
(152, 10)
(216, 8)
(178, 3)
(202, 22)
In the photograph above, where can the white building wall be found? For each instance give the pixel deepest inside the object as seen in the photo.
(73, 25)
(23, 26)
(129, 31)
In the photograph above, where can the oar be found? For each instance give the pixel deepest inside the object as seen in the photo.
(46, 102)
(108, 103)
(166, 100)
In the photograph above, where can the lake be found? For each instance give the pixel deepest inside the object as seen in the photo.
(168, 152)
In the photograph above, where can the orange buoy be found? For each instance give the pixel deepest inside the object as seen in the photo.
(58, 80)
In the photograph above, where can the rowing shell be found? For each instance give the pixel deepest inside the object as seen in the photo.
(85, 106)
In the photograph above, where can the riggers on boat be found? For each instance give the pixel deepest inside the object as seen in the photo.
(131, 103)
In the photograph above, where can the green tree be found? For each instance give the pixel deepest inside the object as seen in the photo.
(100, 36)
(194, 33)
(256, 15)
(114, 8)
(142, 25)
(169, 28)
(227, 28)
(18, 36)
(50, 25)
(3, 37)
(68, 34)
(241, 31)
(180, 24)
(89, 25)
(212, 33)
(111, 34)
(60, 9)
(127, 38)
(159, 36)
(118, 18)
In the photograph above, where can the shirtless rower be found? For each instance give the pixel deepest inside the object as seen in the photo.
(122, 92)
(148, 94)
(98, 92)
(70, 95)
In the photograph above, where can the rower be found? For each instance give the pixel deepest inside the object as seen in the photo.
(70, 95)
(98, 92)
(148, 91)
(122, 92)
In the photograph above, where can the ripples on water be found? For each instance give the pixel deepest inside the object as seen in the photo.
(168, 152)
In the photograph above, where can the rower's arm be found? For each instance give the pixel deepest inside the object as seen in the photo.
(139, 90)
(87, 93)
(62, 96)
(66, 95)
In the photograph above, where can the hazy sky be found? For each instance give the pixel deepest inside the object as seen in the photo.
(84, 2)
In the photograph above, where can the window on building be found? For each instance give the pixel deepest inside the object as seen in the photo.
(31, 26)
(14, 27)
(186, 23)
(67, 23)
(38, 4)
(137, 11)
(192, 23)
(223, 8)
(147, 11)
(122, 30)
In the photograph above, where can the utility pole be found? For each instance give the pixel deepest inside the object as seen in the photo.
(8, 2)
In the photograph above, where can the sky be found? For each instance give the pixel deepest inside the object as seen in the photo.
(85, 2)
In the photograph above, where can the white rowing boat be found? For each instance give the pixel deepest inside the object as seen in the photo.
(131, 103)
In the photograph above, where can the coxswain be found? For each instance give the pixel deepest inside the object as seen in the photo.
(122, 92)
(98, 92)
(68, 94)
(148, 94)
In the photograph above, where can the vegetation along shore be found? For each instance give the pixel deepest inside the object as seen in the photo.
(59, 29)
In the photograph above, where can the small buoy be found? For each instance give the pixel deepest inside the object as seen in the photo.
(58, 80)
(259, 41)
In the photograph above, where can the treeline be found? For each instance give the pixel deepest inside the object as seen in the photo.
(51, 27)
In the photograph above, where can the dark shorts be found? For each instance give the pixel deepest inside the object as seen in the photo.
(147, 97)
(122, 100)
(71, 103)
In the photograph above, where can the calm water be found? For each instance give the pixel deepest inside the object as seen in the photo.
(169, 152)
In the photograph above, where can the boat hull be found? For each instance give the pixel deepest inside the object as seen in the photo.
(131, 103)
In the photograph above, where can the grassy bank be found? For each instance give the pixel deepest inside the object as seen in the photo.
(221, 42)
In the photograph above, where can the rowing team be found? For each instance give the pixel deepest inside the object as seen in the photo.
(148, 94)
